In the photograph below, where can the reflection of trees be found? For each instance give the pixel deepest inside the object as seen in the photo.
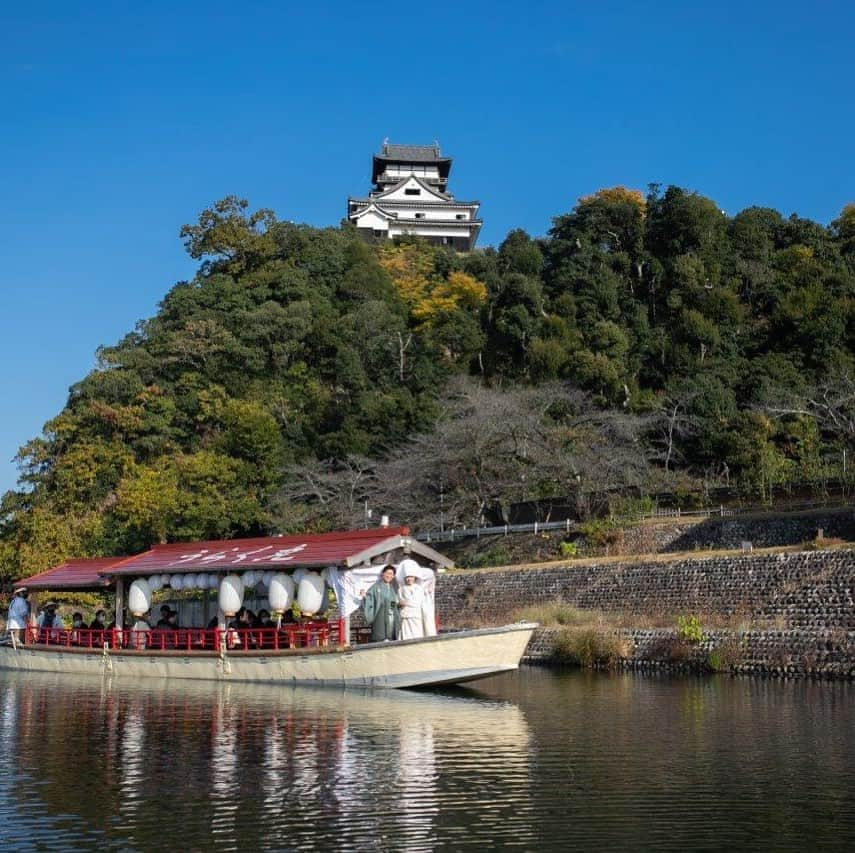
(234, 765)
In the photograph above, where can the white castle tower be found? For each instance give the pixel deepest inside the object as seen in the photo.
(410, 197)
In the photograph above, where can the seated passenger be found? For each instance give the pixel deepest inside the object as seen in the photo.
(210, 638)
(49, 624)
(252, 621)
(238, 628)
(266, 630)
(167, 625)
(163, 622)
(78, 635)
(173, 635)
(98, 628)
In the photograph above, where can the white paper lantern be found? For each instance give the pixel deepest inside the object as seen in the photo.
(281, 593)
(213, 580)
(266, 578)
(177, 581)
(164, 581)
(249, 579)
(231, 595)
(139, 597)
(310, 593)
(189, 581)
(154, 583)
(299, 575)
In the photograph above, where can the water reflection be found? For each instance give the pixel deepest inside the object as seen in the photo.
(227, 766)
(532, 761)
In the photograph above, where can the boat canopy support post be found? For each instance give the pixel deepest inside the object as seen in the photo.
(206, 607)
(120, 603)
(32, 617)
(221, 617)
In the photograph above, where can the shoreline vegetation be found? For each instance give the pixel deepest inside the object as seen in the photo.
(703, 644)
(595, 639)
(650, 348)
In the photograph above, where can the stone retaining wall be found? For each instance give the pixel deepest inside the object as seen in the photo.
(804, 602)
(783, 654)
(808, 589)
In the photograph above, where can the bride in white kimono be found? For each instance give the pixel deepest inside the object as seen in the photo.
(411, 600)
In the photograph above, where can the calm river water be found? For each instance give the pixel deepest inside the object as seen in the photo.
(533, 761)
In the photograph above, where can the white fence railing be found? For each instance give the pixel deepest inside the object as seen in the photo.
(721, 511)
(464, 532)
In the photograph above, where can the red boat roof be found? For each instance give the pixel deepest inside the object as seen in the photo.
(345, 548)
(73, 574)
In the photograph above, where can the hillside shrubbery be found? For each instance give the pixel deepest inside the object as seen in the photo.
(646, 344)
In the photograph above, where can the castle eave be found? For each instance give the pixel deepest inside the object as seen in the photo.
(434, 205)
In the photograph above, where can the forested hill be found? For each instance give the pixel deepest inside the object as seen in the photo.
(645, 345)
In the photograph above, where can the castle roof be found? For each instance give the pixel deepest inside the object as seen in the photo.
(390, 153)
(411, 153)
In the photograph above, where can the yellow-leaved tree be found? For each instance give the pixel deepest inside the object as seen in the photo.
(617, 195)
(429, 295)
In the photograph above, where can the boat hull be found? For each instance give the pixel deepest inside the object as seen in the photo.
(446, 659)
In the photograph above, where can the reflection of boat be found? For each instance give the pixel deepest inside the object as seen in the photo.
(461, 715)
(353, 561)
(444, 659)
(256, 765)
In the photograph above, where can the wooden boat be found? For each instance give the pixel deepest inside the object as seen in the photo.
(448, 658)
(311, 652)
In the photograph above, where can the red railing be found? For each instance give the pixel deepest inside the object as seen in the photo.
(289, 636)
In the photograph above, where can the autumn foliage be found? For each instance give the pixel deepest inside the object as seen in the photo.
(427, 293)
(616, 195)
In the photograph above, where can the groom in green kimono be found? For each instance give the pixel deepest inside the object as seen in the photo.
(380, 607)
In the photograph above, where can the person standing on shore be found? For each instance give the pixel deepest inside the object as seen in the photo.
(380, 607)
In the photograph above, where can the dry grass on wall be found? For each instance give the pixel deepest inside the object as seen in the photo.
(593, 647)
(586, 638)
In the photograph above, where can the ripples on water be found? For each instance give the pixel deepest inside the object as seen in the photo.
(533, 761)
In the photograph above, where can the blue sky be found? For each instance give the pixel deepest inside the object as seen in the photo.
(121, 121)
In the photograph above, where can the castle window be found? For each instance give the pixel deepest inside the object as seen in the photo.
(460, 216)
(420, 216)
(412, 191)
